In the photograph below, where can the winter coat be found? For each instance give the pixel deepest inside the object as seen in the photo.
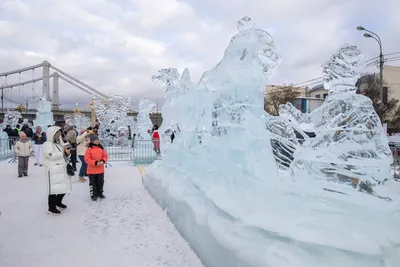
(71, 136)
(156, 139)
(93, 155)
(39, 138)
(82, 142)
(28, 131)
(23, 148)
(56, 166)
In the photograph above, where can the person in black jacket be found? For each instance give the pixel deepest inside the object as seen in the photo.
(39, 137)
(12, 135)
(27, 130)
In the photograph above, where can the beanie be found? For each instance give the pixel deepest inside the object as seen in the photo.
(93, 138)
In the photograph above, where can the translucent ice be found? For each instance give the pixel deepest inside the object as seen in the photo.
(350, 141)
(78, 119)
(44, 116)
(112, 115)
(11, 117)
(225, 194)
(144, 123)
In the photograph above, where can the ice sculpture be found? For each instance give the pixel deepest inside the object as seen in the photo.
(11, 118)
(78, 119)
(144, 123)
(112, 116)
(132, 123)
(176, 110)
(350, 142)
(44, 116)
(226, 198)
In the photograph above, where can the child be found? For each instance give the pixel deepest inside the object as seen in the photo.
(23, 148)
(95, 157)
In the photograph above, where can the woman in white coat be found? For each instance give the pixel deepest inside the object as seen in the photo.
(54, 151)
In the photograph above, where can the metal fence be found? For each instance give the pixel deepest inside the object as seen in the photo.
(139, 152)
(395, 148)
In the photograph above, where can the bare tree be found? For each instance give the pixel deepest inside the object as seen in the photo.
(368, 85)
(281, 95)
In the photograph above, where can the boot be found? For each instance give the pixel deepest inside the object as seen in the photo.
(52, 200)
(59, 201)
(25, 174)
(54, 211)
(82, 179)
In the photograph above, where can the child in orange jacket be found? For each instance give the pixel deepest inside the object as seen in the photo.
(96, 157)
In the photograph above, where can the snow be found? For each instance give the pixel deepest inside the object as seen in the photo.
(126, 229)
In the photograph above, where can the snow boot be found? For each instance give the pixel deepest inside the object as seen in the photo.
(25, 174)
(54, 211)
(20, 176)
(94, 198)
(82, 179)
(102, 196)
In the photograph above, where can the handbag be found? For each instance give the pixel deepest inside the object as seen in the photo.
(70, 169)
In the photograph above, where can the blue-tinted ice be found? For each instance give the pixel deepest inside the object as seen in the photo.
(221, 185)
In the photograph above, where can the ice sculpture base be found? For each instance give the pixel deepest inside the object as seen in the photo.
(340, 227)
(200, 236)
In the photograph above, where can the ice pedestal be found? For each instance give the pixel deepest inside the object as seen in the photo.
(5, 150)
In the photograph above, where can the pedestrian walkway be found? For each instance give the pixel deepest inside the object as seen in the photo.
(127, 229)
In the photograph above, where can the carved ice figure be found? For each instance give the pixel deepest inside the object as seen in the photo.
(177, 108)
(350, 142)
(78, 119)
(144, 123)
(10, 118)
(112, 115)
(44, 116)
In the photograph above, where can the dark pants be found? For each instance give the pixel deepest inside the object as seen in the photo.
(96, 184)
(82, 170)
(73, 156)
(23, 165)
(55, 200)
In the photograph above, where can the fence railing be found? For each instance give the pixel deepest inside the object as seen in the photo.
(139, 152)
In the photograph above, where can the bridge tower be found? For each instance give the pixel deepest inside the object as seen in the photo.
(46, 80)
(55, 102)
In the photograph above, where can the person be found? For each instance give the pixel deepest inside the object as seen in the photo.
(23, 148)
(156, 140)
(39, 138)
(55, 152)
(27, 130)
(96, 157)
(12, 135)
(71, 138)
(82, 143)
(17, 129)
(172, 136)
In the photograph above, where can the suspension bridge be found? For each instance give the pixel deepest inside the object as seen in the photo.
(49, 78)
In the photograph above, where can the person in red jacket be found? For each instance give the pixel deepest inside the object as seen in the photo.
(96, 157)
(156, 140)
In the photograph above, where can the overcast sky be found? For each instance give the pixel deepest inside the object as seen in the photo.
(117, 45)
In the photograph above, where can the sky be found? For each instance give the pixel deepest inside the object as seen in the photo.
(116, 46)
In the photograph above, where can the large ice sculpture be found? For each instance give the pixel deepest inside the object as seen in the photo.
(226, 198)
(44, 116)
(144, 123)
(112, 116)
(78, 119)
(350, 142)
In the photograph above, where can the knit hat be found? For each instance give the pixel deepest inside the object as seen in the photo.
(93, 138)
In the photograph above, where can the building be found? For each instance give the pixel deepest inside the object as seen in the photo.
(308, 99)
(391, 76)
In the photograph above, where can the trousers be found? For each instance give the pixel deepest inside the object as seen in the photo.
(54, 200)
(23, 165)
(38, 154)
(82, 170)
(96, 184)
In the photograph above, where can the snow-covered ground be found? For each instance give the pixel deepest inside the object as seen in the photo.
(126, 229)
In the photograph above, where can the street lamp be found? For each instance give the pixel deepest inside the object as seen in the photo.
(376, 38)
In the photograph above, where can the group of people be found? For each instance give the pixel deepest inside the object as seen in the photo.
(56, 149)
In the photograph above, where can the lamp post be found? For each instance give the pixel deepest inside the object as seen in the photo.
(373, 35)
